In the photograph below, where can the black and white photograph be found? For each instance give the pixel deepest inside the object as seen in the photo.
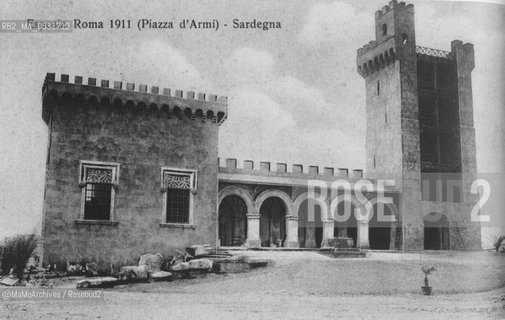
(252, 159)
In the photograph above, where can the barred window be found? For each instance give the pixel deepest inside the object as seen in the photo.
(97, 204)
(177, 205)
(178, 186)
(98, 181)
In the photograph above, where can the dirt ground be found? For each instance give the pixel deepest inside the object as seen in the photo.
(305, 285)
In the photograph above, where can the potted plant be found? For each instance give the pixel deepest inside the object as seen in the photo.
(427, 270)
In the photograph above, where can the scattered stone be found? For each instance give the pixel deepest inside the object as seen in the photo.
(92, 266)
(81, 268)
(41, 283)
(162, 276)
(200, 264)
(197, 250)
(103, 282)
(129, 273)
(152, 261)
(341, 242)
(180, 266)
(230, 266)
(9, 281)
(238, 264)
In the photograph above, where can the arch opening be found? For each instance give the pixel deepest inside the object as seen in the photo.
(310, 226)
(232, 221)
(436, 232)
(348, 228)
(380, 228)
(272, 222)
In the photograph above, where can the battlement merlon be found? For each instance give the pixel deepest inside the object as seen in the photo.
(389, 14)
(376, 55)
(206, 107)
(465, 56)
(231, 165)
(270, 173)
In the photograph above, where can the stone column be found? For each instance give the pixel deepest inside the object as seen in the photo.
(291, 232)
(253, 231)
(328, 232)
(362, 236)
(394, 235)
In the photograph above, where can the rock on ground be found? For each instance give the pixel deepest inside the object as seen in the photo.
(96, 282)
(200, 264)
(152, 261)
(134, 272)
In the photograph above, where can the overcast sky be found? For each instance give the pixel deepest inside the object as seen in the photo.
(294, 94)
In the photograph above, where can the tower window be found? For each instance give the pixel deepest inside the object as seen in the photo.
(374, 161)
(386, 117)
(405, 39)
(384, 29)
(378, 87)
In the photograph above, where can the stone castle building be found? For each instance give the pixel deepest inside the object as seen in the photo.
(132, 170)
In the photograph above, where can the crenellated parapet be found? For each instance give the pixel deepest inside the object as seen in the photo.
(373, 57)
(393, 5)
(231, 165)
(205, 107)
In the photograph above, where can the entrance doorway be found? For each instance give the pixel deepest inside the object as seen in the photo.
(379, 232)
(310, 229)
(272, 222)
(347, 228)
(436, 232)
(232, 221)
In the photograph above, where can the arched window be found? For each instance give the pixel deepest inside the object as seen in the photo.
(405, 39)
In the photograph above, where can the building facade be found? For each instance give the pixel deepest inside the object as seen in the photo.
(128, 171)
(132, 170)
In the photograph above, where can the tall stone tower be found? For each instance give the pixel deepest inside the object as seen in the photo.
(420, 130)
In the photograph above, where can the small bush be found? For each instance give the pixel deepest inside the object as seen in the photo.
(497, 243)
(16, 252)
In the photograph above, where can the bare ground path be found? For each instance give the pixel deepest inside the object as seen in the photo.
(307, 285)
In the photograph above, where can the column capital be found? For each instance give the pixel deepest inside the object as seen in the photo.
(253, 216)
(292, 218)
